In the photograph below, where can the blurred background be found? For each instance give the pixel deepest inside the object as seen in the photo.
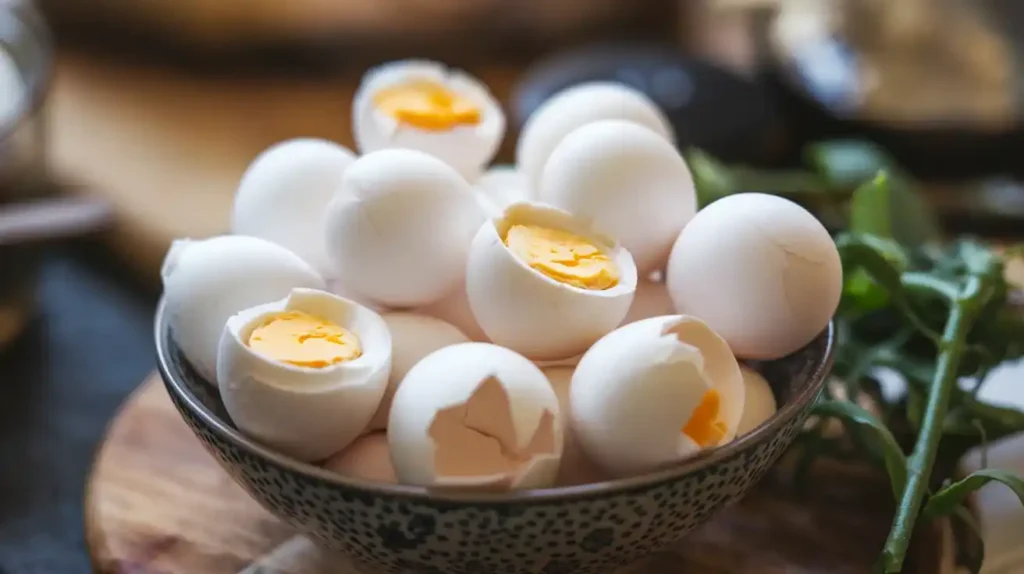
(125, 124)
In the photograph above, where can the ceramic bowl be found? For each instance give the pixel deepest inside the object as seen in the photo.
(581, 529)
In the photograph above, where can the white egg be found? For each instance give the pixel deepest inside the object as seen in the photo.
(528, 311)
(454, 309)
(206, 281)
(579, 105)
(629, 180)
(651, 300)
(759, 403)
(640, 396)
(502, 186)
(284, 193)
(758, 269)
(400, 229)
(475, 416)
(576, 466)
(429, 124)
(311, 408)
(413, 337)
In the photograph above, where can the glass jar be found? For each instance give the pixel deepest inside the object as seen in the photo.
(26, 61)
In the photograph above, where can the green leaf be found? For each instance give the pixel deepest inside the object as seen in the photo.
(884, 441)
(870, 209)
(946, 501)
(847, 163)
(914, 221)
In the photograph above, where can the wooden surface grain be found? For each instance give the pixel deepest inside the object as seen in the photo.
(157, 503)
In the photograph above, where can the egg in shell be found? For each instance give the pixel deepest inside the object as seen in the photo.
(367, 458)
(475, 416)
(758, 269)
(577, 106)
(654, 392)
(546, 283)
(576, 467)
(413, 337)
(399, 231)
(284, 193)
(304, 374)
(426, 106)
(207, 281)
(759, 401)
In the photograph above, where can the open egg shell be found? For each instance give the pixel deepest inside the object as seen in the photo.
(759, 401)
(206, 281)
(576, 467)
(305, 410)
(367, 458)
(413, 337)
(399, 230)
(426, 106)
(654, 392)
(476, 416)
(284, 193)
(530, 312)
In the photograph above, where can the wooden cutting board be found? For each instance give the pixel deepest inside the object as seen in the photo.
(157, 503)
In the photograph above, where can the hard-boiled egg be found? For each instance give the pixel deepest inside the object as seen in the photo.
(475, 416)
(426, 106)
(413, 337)
(305, 374)
(502, 186)
(654, 392)
(759, 403)
(284, 193)
(576, 467)
(545, 283)
(207, 281)
(629, 180)
(399, 230)
(367, 458)
(758, 269)
(575, 107)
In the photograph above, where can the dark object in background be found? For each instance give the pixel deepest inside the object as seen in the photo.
(729, 116)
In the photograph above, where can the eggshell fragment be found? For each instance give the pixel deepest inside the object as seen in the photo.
(207, 281)
(307, 413)
(412, 338)
(367, 458)
(637, 388)
(576, 467)
(758, 269)
(759, 404)
(475, 416)
(522, 309)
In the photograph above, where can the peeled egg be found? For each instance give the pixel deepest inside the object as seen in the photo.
(284, 193)
(412, 338)
(502, 186)
(576, 467)
(758, 269)
(475, 416)
(629, 180)
(545, 283)
(206, 281)
(575, 107)
(426, 106)
(759, 403)
(654, 392)
(305, 374)
(399, 230)
(367, 458)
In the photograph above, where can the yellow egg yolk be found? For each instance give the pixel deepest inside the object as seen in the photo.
(704, 427)
(562, 256)
(427, 105)
(300, 339)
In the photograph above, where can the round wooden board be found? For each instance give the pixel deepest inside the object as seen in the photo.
(157, 503)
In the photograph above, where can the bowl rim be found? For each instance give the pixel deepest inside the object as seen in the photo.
(705, 459)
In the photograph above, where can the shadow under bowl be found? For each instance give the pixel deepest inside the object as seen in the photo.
(579, 529)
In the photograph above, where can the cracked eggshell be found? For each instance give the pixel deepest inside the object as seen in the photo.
(207, 281)
(466, 148)
(462, 409)
(399, 230)
(759, 403)
(306, 413)
(758, 269)
(522, 309)
(636, 389)
(629, 180)
(576, 467)
(575, 107)
(284, 192)
(413, 337)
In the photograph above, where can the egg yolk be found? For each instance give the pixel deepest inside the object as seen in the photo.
(427, 105)
(704, 427)
(300, 339)
(562, 256)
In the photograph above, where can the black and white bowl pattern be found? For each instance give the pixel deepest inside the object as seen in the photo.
(586, 529)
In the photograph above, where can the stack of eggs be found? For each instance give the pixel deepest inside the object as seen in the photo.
(409, 315)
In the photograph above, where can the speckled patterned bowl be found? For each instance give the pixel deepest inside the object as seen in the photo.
(581, 529)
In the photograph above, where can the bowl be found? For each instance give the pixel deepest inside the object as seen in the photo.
(580, 529)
